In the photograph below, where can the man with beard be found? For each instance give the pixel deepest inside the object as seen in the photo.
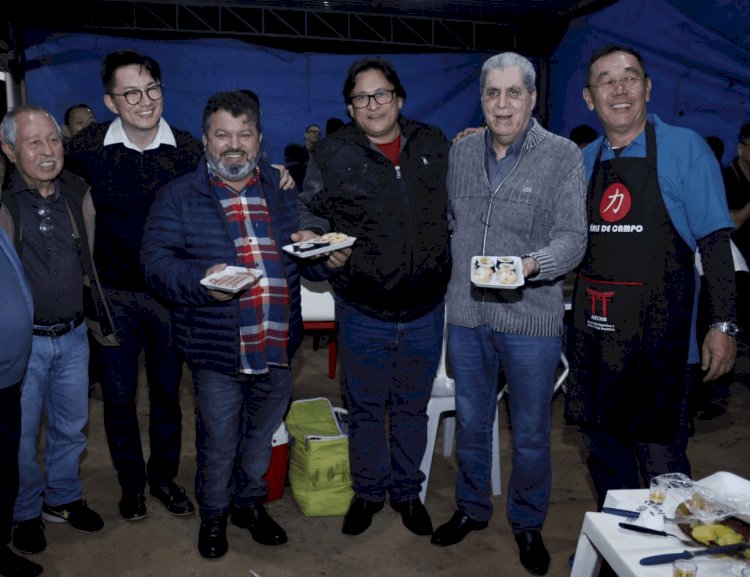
(238, 345)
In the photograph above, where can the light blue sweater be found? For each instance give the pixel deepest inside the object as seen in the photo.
(538, 210)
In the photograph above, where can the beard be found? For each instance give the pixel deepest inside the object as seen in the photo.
(233, 172)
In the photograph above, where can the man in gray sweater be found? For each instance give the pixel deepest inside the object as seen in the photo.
(514, 190)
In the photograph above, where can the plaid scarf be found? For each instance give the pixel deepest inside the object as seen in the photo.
(264, 307)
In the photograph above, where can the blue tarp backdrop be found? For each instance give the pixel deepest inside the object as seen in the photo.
(697, 54)
(294, 89)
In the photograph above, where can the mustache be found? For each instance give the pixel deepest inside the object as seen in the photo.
(234, 151)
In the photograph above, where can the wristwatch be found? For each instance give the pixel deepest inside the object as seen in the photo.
(727, 327)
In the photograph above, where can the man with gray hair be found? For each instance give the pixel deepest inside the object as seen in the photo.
(515, 190)
(49, 215)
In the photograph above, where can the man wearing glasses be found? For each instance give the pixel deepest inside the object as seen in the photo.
(655, 195)
(50, 217)
(381, 179)
(126, 162)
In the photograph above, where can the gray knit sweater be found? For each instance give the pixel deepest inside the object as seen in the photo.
(538, 210)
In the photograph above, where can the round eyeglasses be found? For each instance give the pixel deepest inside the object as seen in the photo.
(381, 97)
(134, 96)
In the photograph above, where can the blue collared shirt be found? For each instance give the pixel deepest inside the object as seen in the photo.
(499, 169)
(691, 185)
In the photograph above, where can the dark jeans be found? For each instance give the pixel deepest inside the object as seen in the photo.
(142, 324)
(236, 417)
(10, 436)
(389, 369)
(617, 462)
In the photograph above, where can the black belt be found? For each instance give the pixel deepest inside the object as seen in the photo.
(58, 329)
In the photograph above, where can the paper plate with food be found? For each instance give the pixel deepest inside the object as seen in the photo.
(326, 243)
(497, 271)
(232, 279)
(712, 523)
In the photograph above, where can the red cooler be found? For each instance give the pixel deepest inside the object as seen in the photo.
(278, 467)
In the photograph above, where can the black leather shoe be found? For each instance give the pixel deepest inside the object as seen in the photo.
(414, 515)
(173, 497)
(133, 507)
(533, 553)
(456, 529)
(28, 536)
(359, 516)
(12, 565)
(261, 525)
(212, 538)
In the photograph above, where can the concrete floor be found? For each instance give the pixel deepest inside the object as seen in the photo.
(165, 546)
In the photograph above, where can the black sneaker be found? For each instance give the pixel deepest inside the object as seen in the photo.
(133, 507)
(28, 536)
(76, 514)
(173, 497)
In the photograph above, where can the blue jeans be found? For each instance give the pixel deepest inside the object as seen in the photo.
(389, 369)
(236, 417)
(477, 355)
(57, 382)
(143, 325)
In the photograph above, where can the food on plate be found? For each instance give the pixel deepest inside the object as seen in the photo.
(485, 261)
(231, 280)
(483, 274)
(506, 276)
(716, 533)
(308, 245)
(334, 237)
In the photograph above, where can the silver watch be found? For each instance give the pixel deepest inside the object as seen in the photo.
(727, 327)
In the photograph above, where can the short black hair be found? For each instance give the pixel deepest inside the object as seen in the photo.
(611, 49)
(121, 58)
(333, 124)
(371, 64)
(745, 131)
(236, 102)
(70, 110)
(717, 145)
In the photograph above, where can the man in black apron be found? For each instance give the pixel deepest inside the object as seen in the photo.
(633, 315)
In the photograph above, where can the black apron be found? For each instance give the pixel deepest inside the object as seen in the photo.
(632, 306)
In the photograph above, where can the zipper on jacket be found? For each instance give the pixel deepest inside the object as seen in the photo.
(398, 171)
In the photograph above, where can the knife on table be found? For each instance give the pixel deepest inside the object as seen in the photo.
(669, 557)
(631, 514)
(642, 529)
(621, 512)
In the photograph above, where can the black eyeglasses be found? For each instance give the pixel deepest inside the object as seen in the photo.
(46, 224)
(381, 97)
(134, 96)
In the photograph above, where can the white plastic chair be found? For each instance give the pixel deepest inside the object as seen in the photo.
(319, 314)
(442, 401)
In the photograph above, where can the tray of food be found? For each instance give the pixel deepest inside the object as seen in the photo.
(326, 243)
(497, 271)
(715, 529)
(232, 279)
